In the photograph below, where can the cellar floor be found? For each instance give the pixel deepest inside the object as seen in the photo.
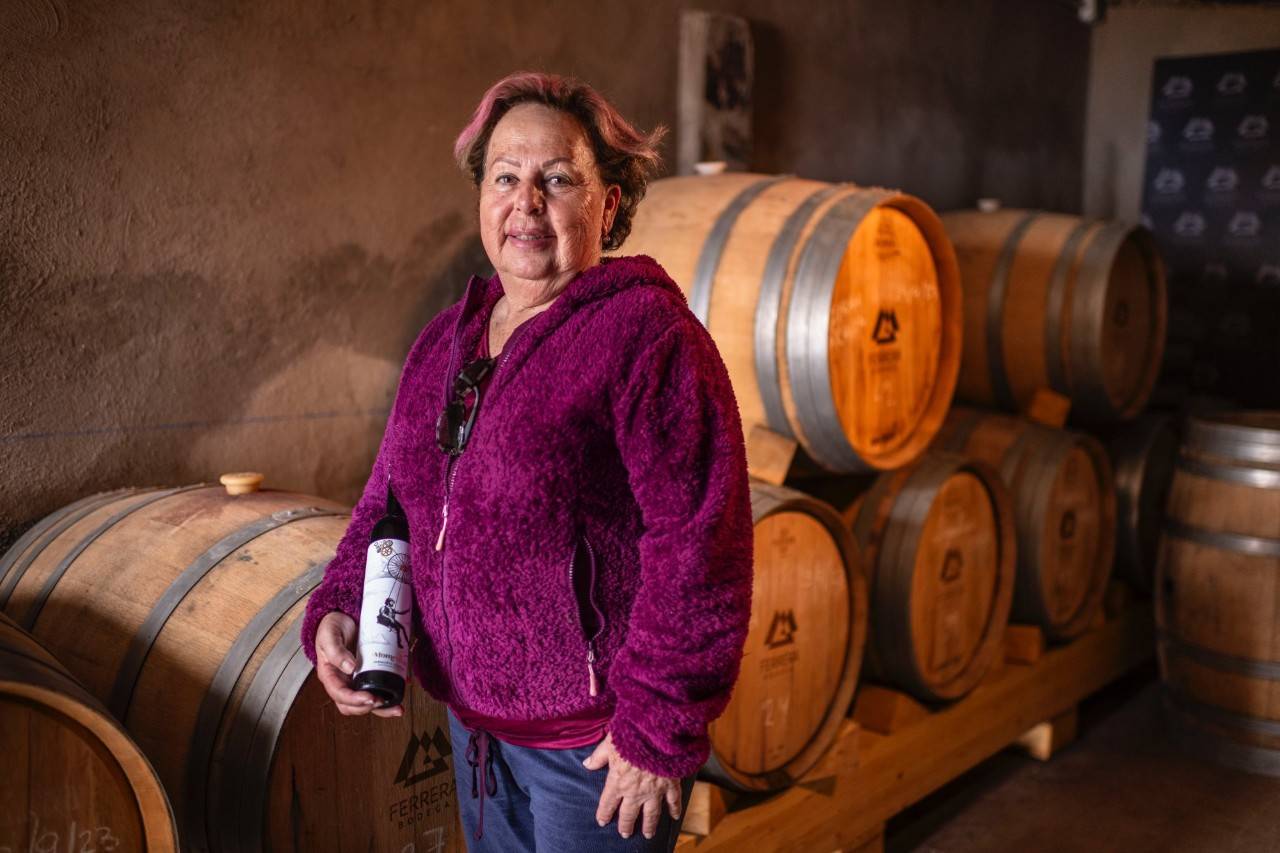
(1122, 786)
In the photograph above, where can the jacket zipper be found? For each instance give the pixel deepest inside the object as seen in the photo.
(444, 513)
(593, 683)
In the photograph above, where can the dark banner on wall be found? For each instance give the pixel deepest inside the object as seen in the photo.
(1212, 198)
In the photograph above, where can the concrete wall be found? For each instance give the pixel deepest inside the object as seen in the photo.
(223, 223)
(1124, 50)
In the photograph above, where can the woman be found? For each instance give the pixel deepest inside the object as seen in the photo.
(567, 449)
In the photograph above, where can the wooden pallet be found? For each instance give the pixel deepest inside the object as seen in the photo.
(866, 778)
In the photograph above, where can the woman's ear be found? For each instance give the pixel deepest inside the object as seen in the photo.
(612, 201)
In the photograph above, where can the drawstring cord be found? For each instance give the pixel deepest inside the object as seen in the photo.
(483, 779)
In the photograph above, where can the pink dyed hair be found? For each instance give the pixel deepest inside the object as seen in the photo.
(624, 155)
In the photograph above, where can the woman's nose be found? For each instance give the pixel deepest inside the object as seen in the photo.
(529, 199)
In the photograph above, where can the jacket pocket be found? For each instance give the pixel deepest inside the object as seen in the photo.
(583, 571)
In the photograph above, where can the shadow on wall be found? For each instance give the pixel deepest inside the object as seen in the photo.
(169, 378)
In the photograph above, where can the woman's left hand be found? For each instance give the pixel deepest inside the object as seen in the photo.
(630, 791)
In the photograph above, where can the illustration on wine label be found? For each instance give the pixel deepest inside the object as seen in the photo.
(386, 608)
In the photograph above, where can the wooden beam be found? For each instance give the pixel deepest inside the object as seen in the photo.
(892, 772)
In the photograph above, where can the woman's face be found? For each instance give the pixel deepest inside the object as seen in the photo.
(543, 207)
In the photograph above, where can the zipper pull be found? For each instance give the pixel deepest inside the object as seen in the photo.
(591, 672)
(444, 522)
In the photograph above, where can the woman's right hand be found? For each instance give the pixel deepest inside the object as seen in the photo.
(335, 663)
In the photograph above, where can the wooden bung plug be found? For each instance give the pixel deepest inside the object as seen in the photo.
(241, 482)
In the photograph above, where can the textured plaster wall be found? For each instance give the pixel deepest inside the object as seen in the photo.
(1124, 50)
(222, 223)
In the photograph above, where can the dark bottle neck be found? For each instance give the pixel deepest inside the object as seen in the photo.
(393, 505)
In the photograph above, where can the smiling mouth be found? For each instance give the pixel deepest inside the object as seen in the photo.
(529, 238)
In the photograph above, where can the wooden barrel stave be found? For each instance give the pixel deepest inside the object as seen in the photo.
(1218, 583)
(73, 777)
(188, 606)
(788, 275)
(908, 526)
(1064, 505)
(803, 650)
(1056, 301)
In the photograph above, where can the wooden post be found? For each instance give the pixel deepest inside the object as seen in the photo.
(716, 75)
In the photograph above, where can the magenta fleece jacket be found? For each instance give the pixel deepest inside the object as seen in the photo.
(600, 508)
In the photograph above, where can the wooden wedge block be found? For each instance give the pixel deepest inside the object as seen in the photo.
(885, 711)
(1046, 739)
(708, 804)
(1023, 643)
(769, 454)
(1048, 408)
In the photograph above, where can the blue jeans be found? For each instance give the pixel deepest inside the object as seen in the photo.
(545, 801)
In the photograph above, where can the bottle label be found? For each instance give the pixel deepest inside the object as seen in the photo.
(387, 609)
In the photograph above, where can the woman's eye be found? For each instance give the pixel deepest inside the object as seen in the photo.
(559, 181)
(505, 179)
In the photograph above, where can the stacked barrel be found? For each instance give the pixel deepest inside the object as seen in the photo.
(1078, 307)
(1073, 308)
(845, 320)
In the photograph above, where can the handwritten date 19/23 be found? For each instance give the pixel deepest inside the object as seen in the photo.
(76, 839)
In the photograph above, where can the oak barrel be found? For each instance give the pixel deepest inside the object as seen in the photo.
(937, 542)
(1065, 511)
(1056, 301)
(1142, 455)
(804, 646)
(1218, 590)
(180, 608)
(72, 777)
(836, 308)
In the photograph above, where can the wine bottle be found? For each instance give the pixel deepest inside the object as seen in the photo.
(386, 610)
